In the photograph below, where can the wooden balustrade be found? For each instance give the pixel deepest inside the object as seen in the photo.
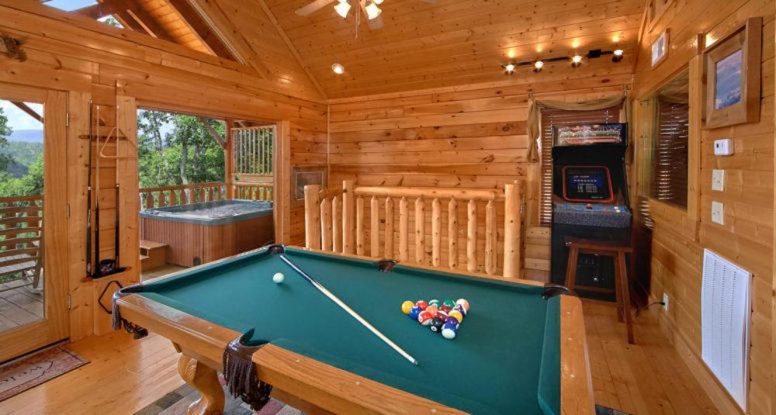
(21, 237)
(184, 194)
(336, 221)
(253, 191)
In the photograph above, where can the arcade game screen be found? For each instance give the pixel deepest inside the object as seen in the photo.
(587, 184)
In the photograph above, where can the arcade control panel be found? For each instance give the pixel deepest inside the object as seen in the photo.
(607, 215)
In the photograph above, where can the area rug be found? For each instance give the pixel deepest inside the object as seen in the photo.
(176, 402)
(34, 369)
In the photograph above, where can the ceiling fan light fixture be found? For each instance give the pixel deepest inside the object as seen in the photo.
(378, 2)
(342, 8)
(509, 68)
(576, 60)
(372, 11)
(538, 65)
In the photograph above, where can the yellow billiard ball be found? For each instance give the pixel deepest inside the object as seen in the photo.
(407, 306)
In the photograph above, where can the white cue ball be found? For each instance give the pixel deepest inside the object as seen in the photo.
(278, 277)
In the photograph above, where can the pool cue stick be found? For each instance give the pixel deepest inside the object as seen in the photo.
(89, 195)
(97, 269)
(349, 310)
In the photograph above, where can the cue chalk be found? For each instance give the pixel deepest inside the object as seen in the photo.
(349, 310)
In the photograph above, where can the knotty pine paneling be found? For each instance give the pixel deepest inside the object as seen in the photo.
(471, 137)
(747, 235)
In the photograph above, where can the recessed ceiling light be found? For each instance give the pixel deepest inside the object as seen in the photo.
(338, 68)
(576, 60)
(538, 65)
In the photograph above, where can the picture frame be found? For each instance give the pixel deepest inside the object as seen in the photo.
(303, 176)
(659, 48)
(733, 69)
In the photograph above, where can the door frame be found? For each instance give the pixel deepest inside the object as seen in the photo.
(55, 324)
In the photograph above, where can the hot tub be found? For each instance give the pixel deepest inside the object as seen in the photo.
(203, 232)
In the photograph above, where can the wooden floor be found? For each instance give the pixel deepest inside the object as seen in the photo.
(19, 305)
(126, 375)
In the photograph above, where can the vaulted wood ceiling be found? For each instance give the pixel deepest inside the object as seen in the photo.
(422, 44)
(452, 42)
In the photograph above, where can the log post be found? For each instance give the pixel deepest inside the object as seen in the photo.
(452, 234)
(312, 238)
(388, 228)
(404, 220)
(436, 232)
(490, 238)
(326, 225)
(348, 216)
(360, 226)
(420, 249)
(374, 228)
(512, 229)
(471, 236)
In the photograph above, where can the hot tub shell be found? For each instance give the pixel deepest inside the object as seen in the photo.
(203, 232)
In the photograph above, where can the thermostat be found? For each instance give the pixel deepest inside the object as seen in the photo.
(723, 147)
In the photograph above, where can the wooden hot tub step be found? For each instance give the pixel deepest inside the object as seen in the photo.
(152, 255)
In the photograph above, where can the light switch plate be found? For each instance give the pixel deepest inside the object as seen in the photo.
(718, 213)
(718, 180)
(723, 147)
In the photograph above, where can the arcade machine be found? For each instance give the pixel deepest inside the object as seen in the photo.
(590, 201)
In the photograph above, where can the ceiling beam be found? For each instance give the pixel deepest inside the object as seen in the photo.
(202, 29)
(31, 112)
(137, 18)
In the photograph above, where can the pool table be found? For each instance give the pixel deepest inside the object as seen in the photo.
(520, 350)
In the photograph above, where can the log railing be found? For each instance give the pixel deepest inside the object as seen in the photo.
(21, 238)
(420, 225)
(154, 197)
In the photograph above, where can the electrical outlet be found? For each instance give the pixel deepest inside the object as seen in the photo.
(718, 213)
(665, 302)
(718, 180)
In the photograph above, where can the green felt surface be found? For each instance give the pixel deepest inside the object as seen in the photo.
(505, 356)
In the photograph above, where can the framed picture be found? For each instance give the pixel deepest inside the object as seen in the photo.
(732, 68)
(660, 49)
(303, 176)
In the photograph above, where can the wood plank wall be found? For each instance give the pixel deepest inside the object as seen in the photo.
(90, 60)
(747, 236)
(473, 136)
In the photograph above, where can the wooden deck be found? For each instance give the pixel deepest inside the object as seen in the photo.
(20, 305)
(647, 378)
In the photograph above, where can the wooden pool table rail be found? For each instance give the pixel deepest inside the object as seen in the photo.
(316, 387)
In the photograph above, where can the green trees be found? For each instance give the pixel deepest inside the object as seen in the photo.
(5, 132)
(176, 149)
(32, 182)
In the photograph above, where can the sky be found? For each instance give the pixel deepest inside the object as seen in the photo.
(70, 5)
(20, 120)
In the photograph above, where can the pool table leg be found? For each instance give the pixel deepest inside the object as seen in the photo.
(205, 380)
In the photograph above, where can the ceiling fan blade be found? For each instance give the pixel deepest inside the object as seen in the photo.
(313, 7)
(376, 23)
(429, 1)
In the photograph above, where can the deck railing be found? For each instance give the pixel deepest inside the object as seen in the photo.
(155, 197)
(338, 220)
(184, 194)
(21, 239)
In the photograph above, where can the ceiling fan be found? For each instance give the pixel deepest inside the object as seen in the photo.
(370, 8)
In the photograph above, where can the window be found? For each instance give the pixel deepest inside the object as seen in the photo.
(669, 157)
(551, 117)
